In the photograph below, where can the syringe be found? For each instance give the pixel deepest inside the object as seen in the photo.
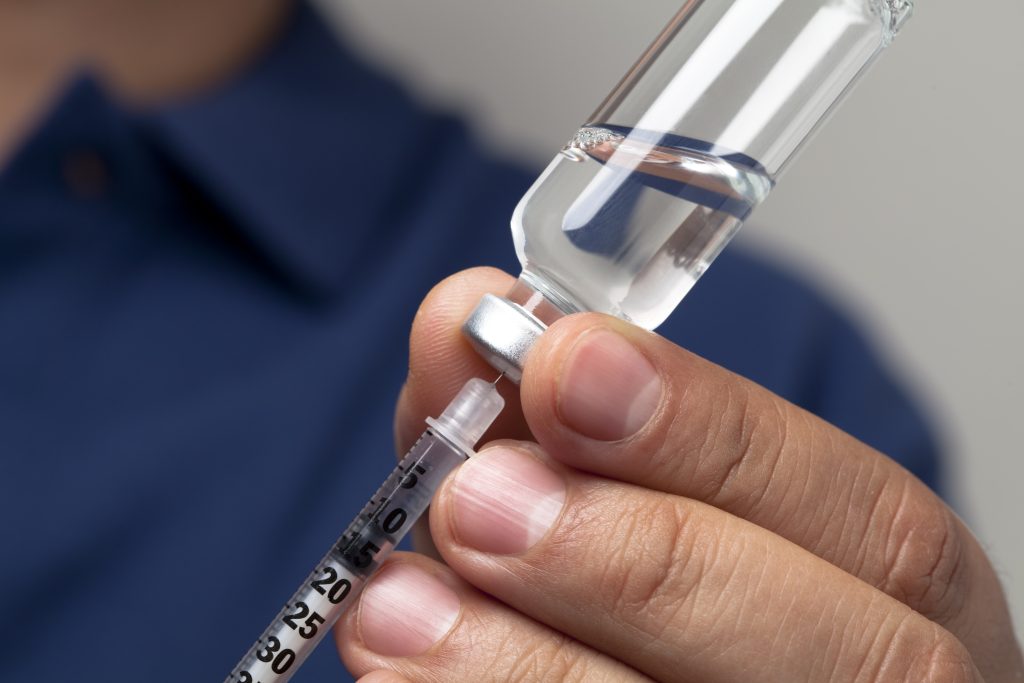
(337, 579)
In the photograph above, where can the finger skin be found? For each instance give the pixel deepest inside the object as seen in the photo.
(685, 592)
(721, 439)
(725, 441)
(488, 642)
(441, 360)
(383, 677)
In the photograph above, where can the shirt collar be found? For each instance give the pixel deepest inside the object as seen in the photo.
(313, 157)
(83, 123)
(302, 151)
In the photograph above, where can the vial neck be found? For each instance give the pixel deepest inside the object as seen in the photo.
(540, 298)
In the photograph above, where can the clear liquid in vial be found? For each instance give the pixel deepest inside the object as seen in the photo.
(625, 221)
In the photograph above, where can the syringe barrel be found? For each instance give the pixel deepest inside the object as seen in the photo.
(753, 77)
(336, 581)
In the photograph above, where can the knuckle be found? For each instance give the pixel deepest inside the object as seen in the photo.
(946, 660)
(519, 655)
(925, 555)
(748, 431)
(654, 565)
(917, 651)
(546, 659)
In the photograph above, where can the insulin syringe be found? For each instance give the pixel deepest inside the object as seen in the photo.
(337, 579)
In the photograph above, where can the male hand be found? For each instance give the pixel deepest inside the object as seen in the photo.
(660, 518)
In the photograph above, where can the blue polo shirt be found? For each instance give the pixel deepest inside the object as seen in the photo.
(204, 313)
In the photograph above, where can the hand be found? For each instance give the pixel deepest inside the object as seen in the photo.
(661, 518)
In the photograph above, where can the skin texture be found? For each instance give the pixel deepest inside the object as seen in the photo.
(703, 530)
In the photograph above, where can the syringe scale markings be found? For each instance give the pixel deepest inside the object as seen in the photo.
(382, 523)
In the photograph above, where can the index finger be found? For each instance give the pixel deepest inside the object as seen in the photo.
(441, 360)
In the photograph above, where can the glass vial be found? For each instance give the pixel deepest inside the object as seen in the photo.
(650, 190)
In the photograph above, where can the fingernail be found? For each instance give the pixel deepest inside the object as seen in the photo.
(505, 501)
(404, 611)
(607, 389)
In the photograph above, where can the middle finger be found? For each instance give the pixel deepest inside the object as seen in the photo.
(676, 588)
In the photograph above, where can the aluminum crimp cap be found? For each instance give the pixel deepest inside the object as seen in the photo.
(503, 333)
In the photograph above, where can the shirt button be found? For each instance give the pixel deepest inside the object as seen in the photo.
(86, 173)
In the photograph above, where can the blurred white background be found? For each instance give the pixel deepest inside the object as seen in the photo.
(904, 206)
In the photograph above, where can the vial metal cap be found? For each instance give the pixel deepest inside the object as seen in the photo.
(503, 334)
